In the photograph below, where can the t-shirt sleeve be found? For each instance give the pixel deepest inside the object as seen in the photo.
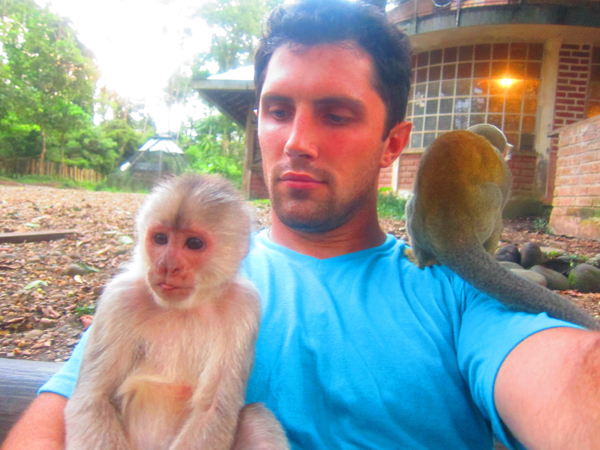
(488, 333)
(63, 381)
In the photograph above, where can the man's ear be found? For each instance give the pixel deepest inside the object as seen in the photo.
(395, 143)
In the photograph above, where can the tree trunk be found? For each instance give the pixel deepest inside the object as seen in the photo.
(43, 154)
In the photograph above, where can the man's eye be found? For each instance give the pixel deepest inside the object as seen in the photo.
(194, 243)
(279, 114)
(337, 119)
(160, 239)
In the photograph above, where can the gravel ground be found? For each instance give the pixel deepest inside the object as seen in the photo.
(48, 288)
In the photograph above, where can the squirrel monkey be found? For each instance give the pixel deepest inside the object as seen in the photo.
(454, 218)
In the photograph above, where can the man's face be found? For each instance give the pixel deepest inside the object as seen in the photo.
(320, 125)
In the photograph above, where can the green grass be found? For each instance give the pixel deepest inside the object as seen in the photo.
(390, 206)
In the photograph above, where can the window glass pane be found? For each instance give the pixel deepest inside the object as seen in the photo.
(432, 107)
(431, 123)
(480, 87)
(476, 119)
(528, 125)
(462, 105)
(415, 140)
(496, 104)
(513, 105)
(428, 138)
(463, 87)
(417, 124)
(461, 122)
(447, 88)
(445, 123)
(446, 105)
(433, 89)
(479, 105)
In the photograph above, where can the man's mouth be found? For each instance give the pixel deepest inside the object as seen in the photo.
(297, 180)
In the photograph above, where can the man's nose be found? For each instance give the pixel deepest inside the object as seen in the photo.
(303, 139)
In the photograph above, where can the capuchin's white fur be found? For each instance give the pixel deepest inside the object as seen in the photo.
(172, 343)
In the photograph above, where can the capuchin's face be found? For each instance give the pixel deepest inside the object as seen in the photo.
(320, 126)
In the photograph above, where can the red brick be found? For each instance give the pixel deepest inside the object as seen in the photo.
(561, 94)
(583, 201)
(570, 47)
(560, 107)
(594, 190)
(567, 74)
(564, 53)
(580, 68)
(566, 115)
(587, 157)
(563, 67)
(581, 54)
(564, 201)
(564, 88)
(583, 75)
(578, 82)
(588, 179)
(579, 109)
(576, 95)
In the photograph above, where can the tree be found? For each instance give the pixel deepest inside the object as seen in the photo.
(236, 26)
(46, 78)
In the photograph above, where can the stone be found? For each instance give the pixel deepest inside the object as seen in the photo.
(554, 280)
(509, 253)
(534, 277)
(531, 255)
(509, 265)
(561, 265)
(552, 252)
(585, 278)
(74, 269)
(33, 334)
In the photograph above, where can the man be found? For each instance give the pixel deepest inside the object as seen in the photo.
(360, 349)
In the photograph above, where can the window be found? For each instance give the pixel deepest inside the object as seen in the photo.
(455, 88)
(593, 102)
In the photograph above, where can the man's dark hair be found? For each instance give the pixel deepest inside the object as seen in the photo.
(313, 22)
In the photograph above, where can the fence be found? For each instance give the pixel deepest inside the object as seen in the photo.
(32, 166)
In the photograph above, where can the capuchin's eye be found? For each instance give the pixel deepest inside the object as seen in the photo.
(194, 243)
(160, 239)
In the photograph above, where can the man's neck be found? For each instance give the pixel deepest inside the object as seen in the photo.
(361, 233)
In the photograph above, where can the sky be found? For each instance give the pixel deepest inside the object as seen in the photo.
(137, 45)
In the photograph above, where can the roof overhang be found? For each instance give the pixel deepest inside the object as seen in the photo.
(233, 97)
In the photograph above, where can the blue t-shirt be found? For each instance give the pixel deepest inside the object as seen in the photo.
(367, 351)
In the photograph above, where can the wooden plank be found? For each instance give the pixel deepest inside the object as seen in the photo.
(35, 236)
(19, 383)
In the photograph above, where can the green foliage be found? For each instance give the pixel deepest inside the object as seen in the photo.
(390, 206)
(45, 79)
(236, 27)
(82, 310)
(215, 144)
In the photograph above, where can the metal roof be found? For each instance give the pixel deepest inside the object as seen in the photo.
(231, 92)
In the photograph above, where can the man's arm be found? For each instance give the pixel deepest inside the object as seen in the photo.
(42, 426)
(548, 390)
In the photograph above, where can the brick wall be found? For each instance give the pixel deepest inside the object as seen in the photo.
(576, 205)
(522, 167)
(571, 92)
(258, 188)
(409, 163)
(385, 177)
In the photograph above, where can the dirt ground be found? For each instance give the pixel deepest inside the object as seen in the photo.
(46, 288)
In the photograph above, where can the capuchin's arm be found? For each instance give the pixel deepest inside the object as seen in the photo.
(548, 390)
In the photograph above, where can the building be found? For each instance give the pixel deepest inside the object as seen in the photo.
(528, 66)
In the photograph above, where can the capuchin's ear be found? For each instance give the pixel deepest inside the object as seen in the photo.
(395, 143)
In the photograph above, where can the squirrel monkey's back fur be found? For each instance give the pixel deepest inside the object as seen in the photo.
(454, 218)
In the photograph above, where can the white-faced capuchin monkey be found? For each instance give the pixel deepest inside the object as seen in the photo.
(172, 344)
(454, 218)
